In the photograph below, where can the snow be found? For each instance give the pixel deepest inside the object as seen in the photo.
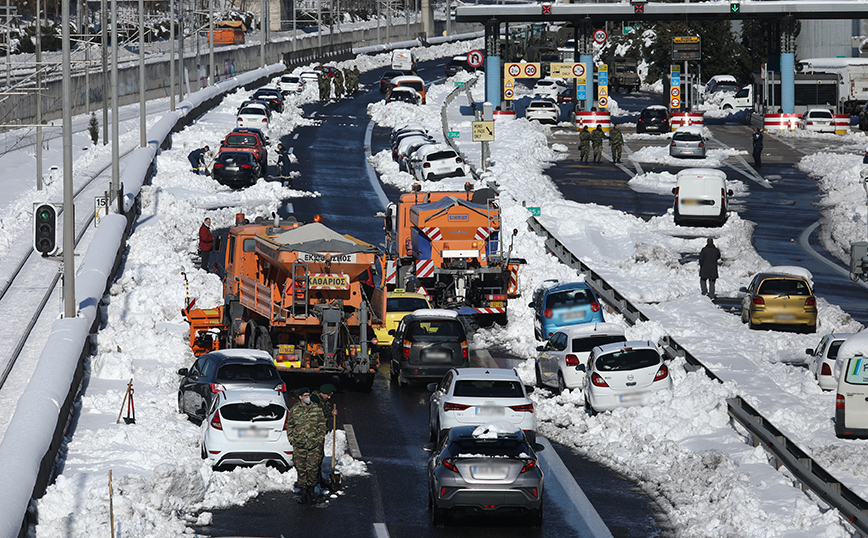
(492, 429)
(681, 447)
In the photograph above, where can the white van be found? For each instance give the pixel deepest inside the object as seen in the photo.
(403, 60)
(851, 402)
(701, 197)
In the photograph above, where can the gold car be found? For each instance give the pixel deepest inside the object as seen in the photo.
(399, 303)
(780, 298)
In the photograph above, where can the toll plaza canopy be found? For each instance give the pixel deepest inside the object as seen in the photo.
(656, 11)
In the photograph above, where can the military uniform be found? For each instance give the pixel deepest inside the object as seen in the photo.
(585, 144)
(316, 398)
(356, 76)
(339, 83)
(305, 429)
(616, 142)
(324, 87)
(597, 137)
(348, 80)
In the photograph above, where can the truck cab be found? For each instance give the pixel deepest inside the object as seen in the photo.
(742, 99)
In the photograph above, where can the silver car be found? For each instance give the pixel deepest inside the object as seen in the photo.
(687, 142)
(488, 468)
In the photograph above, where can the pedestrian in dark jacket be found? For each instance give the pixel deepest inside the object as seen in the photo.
(305, 429)
(585, 144)
(597, 137)
(206, 243)
(757, 138)
(283, 162)
(197, 158)
(708, 258)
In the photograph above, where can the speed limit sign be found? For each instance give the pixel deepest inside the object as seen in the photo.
(579, 70)
(475, 58)
(530, 70)
(600, 36)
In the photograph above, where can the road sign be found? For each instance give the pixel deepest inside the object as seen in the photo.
(534, 211)
(509, 94)
(734, 7)
(600, 36)
(483, 131)
(475, 58)
(578, 70)
(675, 103)
(638, 8)
(521, 70)
(531, 70)
(459, 84)
(509, 83)
(603, 102)
(686, 49)
(604, 92)
(675, 91)
(453, 134)
(603, 75)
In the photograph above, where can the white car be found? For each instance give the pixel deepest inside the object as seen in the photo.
(549, 87)
(569, 347)
(542, 110)
(476, 396)
(823, 360)
(246, 427)
(851, 399)
(437, 161)
(817, 119)
(623, 374)
(290, 84)
(308, 76)
(407, 146)
(253, 115)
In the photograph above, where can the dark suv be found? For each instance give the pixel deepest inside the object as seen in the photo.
(426, 344)
(653, 119)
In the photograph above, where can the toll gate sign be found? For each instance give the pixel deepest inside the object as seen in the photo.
(686, 49)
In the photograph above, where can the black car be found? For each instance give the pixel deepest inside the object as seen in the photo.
(863, 118)
(456, 64)
(220, 370)
(236, 169)
(426, 344)
(653, 119)
(273, 98)
(386, 79)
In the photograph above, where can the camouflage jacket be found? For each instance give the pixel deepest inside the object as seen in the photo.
(326, 405)
(616, 137)
(597, 137)
(306, 426)
(585, 138)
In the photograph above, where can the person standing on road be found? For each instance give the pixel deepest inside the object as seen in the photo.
(757, 138)
(206, 243)
(339, 83)
(708, 258)
(616, 142)
(356, 76)
(283, 165)
(197, 159)
(322, 398)
(597, 137)
(324, 87)
(585, 144)
(305, 429)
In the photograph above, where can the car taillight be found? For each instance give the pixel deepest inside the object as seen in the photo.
(464, 352)
(661, 373)
(571, 360)
(548, 313)
(448, 406)
(826, 370)
(758, 300)
(216, 387)
(598, 380)
(215, 421)
(218, 165)
(701, 144)
(528, 465)
(280, 388)
(407, 346)
(839, 401)
(246, 166)
(240, 119)
(595, 307)
(458, 159)
(264, 119)
(672, 143)
(524, 408)
(810, 301)
(451, 466)
(426, 165)
(285, 421)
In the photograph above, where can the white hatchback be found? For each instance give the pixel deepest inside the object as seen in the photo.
(437, 161)
(556, 364)
(290, 84)
(623, 375)
(246, 427)
(475, 396)
(549, 87)
(253, 115)
(542, 110)
(823, 360)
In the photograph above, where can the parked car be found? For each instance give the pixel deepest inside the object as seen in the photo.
(250, 141)
(557, 306)
(549, 87)
(822, 360)
(309, 77)
(409, 81)
(272, 97)
(456, 64)
(485, 468)
(566, 349)
(721, 83)
(399, 303)
(257, 102)
(426, 344)
(434, 162)
(246, 427)
(701, 197)
(403, 95)
(256, 116)
(623, 374)
(236, 169)
(290, 84)
(474, 396)
(817, 119)
(403, 135)
(653, 118)
(851, 400)
(408, 147)
(221, 370)
(386, 79)
(687, 141)
(780, 296)
(542, 110)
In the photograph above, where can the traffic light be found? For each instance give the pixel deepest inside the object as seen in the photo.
(45, 228)
(734, 7)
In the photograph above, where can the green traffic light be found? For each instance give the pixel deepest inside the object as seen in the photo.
(734, 7)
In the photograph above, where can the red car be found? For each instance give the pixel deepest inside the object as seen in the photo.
(247, 140)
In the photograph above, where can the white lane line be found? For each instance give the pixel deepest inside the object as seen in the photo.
(380, 530)
(295, 136)
(372, 174)
(589, 524)
(806, 246)
(352, 443)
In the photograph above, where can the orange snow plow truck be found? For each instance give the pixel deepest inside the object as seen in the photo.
(302, 292)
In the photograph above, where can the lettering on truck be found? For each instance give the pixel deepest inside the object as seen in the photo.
(459, 218)
(329, 281)
(316, 257)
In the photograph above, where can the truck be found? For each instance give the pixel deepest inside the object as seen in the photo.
(403, 60)
(852, 79)
(227, 33)
(743, 98)
(623, 74)
(448, 246)
(302, 292)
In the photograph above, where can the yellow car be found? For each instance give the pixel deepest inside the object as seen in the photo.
(780, 296)
(399, 303)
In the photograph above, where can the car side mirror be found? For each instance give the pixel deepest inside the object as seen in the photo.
(729, 192)
(529, 388)
(428, 447)
(540, 348)
(530, 305)
(183, 372)
(538, 447)
(809, 351)
(580, 368)
(432, 387)
(742, 289)
(674, 190)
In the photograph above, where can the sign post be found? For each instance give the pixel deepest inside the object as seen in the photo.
(675, 86)
(603, 86)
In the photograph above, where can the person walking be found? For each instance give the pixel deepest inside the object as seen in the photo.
(585, 144)
(597, 137)
(283, 162)
(616, 143)
(197, 159)
(206, 243)
(356, 76)
(708, 258)
(348, 80)
(305, 429)
(324, 87)
(322, 398)
(339, 83)
(757, 138)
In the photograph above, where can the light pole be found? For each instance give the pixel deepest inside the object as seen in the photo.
(69, 305)
(104, 30)
(211, 41)
(143, 111)
(39, 185)
(116, 172)
(172, 55)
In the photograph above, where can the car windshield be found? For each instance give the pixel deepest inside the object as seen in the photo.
(587, 343)
(726, 87)
(250, 412)
(511, 448)
(405, 304)
(567, 298)
(775, 286)
(653, 113)
(435, 330)
(484, 388)
(627, 359)
(687, 137)
(246, 372)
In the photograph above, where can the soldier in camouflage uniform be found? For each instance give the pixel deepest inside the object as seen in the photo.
(324, 87)
(597, 137)
(305, 429)
(339, 83)
(348, 80)
(585, 144)
(616, 142)
(356, 76)
(322, 398)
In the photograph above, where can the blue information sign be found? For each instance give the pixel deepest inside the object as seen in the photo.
(603, 78)
(582, 91)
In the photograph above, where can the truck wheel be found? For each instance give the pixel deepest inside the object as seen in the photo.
(365, 382)
(393, 371)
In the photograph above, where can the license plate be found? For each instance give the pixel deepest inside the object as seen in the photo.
(490, 472)
(785, 316)
(253, 433)
(489, 411)
(569, 316)
(630, 398)
(496, 304)
(437, 356)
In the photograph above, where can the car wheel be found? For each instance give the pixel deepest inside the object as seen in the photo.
(727, 107)
(562, 385)
(203, 453)
(811, 329)
(539, 381)
(393, 371)
(438, 515)
(403, 381)
(536, 517)
(588, 409)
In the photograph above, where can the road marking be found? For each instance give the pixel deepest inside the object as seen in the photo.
(352, 443)
(291, 150)
(380, 530)
(295, 136)
(372, 174)
(804, 242)
(589, 523)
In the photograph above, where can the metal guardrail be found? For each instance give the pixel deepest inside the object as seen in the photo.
(808, 472)
(445, 121)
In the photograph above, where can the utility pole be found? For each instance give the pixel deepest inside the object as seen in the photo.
(8, 48)
(143, 110)
(39, 185)
(262, 25)
(211, 41)
(68, 204)
(182, 73)
(116, 172)
(104, 29)
(172, 55)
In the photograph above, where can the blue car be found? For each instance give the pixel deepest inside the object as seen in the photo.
(560, 305)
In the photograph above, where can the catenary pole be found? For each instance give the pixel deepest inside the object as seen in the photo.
(69, 306)
(103, 17)
(143, 109)
(116, 172)
(39, 184)
(172, 55)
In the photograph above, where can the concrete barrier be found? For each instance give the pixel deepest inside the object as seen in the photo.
(842, 123)
(592, 119)
(781, 122)
(503, 115)
(683, 119)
